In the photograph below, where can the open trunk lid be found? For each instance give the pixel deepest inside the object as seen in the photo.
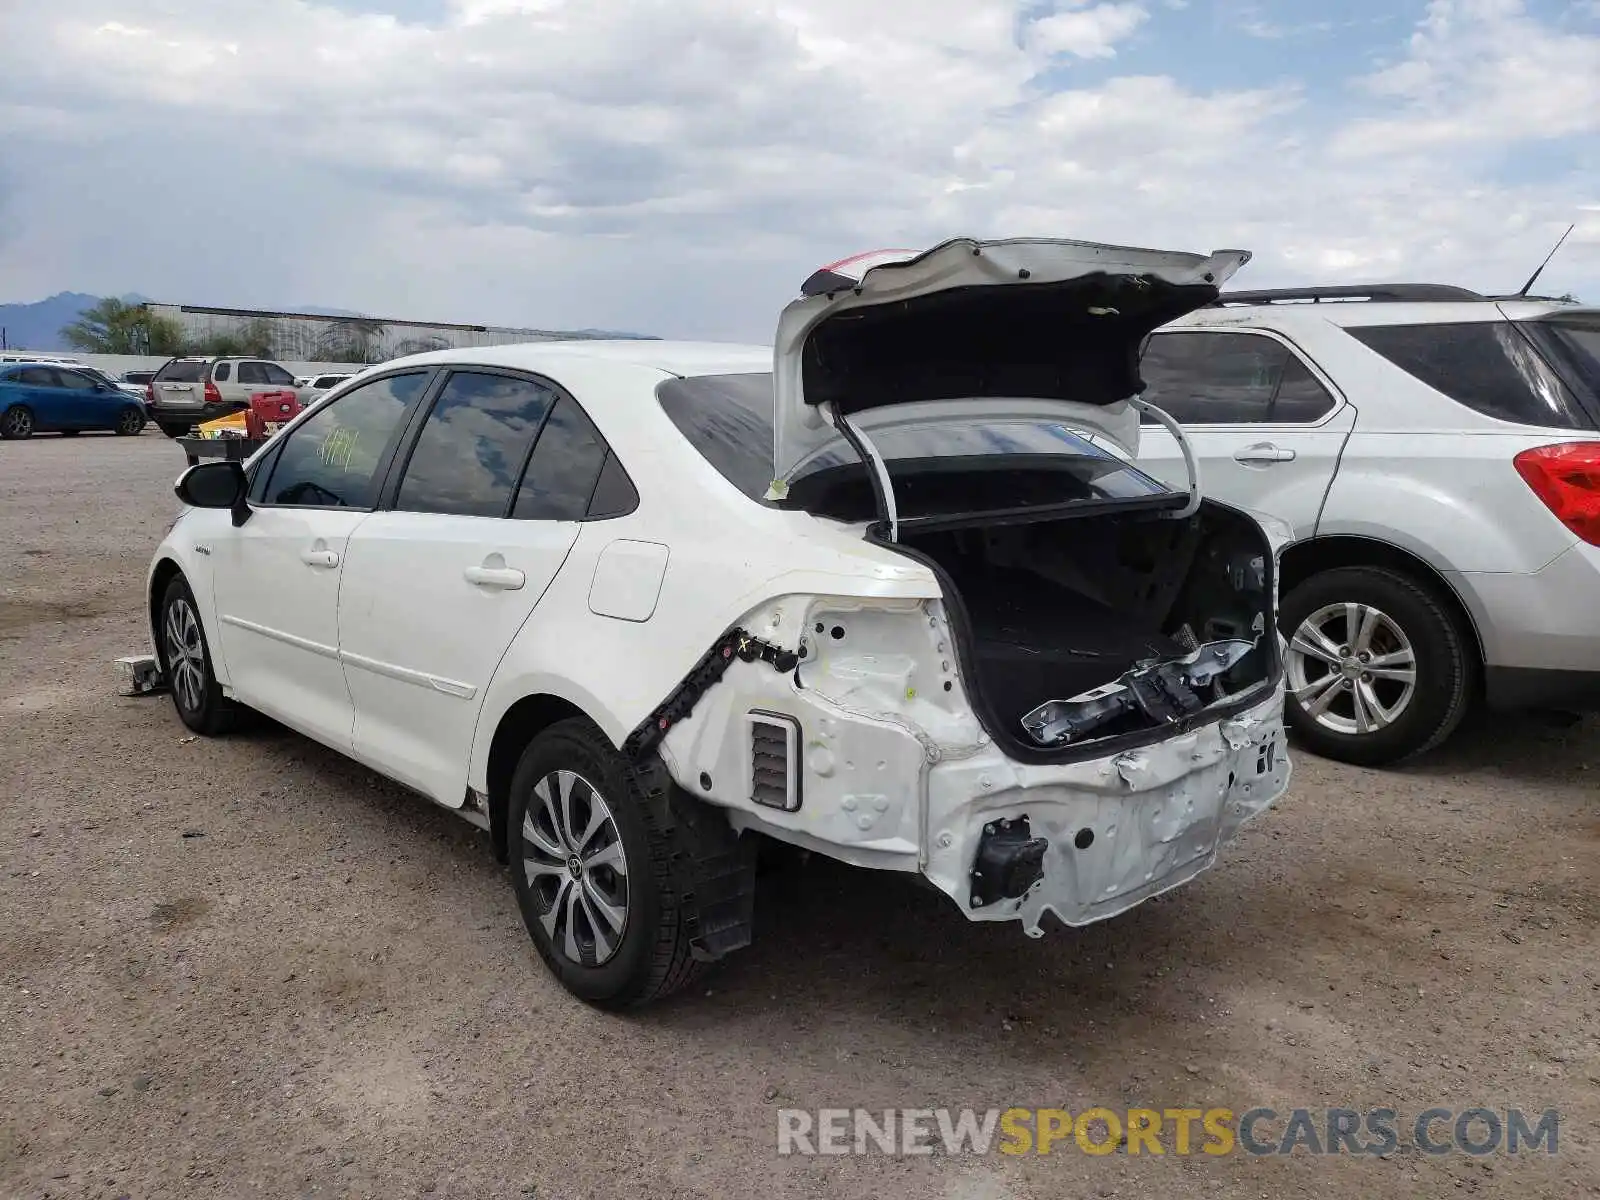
(971, 327)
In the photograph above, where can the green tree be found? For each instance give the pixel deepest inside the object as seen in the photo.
(115, 327)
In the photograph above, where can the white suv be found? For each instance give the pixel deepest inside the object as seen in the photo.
(190, 391)
(1437, 453)
(628, 605)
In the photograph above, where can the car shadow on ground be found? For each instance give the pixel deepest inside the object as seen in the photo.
(1528, 746)
(855, 949)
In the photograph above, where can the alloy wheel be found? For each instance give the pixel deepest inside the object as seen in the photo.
(186, 656)
(16, 423)
(1352, 669)
(130, 423)
(576, 868)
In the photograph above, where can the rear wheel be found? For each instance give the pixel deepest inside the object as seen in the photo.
(186, 661)
(589, 858)
(1377, 669)
(131, 422)
(16, 422)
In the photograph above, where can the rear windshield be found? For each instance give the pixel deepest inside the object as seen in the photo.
(1572, 344)
(182, 371)
(1492, 367)
(937, 469)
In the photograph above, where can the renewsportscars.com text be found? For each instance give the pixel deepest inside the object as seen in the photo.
(1216, 1131)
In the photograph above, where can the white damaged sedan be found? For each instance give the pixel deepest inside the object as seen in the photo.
(893, 593)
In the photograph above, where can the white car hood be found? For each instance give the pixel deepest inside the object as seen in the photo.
(969, 327)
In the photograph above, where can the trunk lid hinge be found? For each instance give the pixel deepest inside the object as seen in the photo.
(1190, 461)
(862, 445)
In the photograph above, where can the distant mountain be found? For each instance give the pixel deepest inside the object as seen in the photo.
(38, 326)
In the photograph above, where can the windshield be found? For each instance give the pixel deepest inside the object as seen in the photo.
(939, 468)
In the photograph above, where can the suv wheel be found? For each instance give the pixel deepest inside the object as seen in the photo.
(589, 860)
(172, 429)
(1376, 669)
(16, 422)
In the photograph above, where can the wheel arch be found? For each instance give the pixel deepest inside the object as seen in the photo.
(517, 727)
(1303, 559)
(161, 575)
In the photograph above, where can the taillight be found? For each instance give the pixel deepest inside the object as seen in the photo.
(213, 396)
(1567, 479)
(150, 392)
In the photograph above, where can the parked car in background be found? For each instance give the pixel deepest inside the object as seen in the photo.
(45, 398)
(317, 386)
(189, 391)
(141, 378)
(630, 606)
(100, 376)
(1437, 453)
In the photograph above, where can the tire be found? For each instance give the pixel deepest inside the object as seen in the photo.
(130, 423)
(649, 957)
(16, 423)
(1411, 631)
(186, 663)
(173, 430)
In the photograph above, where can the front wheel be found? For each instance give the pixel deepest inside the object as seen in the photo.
(16, 422)
(589, 857)
(130, 423)
(186, 660)
(1377, 670)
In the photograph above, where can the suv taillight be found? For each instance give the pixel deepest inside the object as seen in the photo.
(1567, 478)
(213, 396)
(150, 392)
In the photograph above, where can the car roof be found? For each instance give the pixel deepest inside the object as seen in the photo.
(672, 358)
(1358, 313)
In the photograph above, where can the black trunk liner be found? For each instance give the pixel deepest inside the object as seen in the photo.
(1036, 641)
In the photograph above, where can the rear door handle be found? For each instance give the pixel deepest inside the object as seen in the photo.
(1263, 452)
(319, 558)
(500, 579)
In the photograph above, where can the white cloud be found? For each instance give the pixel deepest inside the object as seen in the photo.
(679, 168)
(1087, 32)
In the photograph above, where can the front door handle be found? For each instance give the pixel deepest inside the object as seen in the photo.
(1263, 452)
(500, 579)
(319, 558)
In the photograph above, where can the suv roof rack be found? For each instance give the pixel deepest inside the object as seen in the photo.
(1370, 292)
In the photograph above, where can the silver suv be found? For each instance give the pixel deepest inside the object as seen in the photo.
(1437, 453)
(188, 391)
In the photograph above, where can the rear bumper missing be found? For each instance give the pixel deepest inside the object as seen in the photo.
(1117, 831)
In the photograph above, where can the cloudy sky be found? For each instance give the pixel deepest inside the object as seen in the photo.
(679, 166)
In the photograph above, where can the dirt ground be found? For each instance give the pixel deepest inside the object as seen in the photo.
(248, 967)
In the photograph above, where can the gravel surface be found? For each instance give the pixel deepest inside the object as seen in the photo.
(249, 967)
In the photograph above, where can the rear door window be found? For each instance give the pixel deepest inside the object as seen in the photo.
(335, 458)
(473, 445)
(1213, 378)
(222, 372)
(1491, 367)
(564, 467)
(36, 377)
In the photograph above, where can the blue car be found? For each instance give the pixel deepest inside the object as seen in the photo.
(39, 398)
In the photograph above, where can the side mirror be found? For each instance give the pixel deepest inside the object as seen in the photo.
(216, 485)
